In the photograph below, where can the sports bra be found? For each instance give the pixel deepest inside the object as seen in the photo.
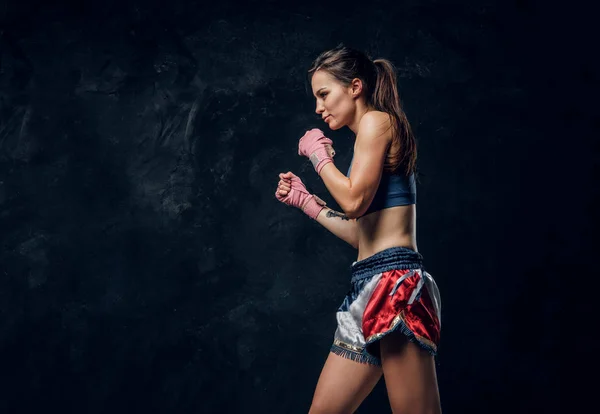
(394, 190)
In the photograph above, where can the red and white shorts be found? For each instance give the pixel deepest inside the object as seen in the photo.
(390, 292)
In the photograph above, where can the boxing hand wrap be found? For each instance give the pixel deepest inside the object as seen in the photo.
(299, 197)
(317, 148)
(313, 206)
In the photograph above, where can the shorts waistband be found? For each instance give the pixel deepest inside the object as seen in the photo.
(388, 259)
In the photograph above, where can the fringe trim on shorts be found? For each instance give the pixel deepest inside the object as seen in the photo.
(400, 326)
(362, 357)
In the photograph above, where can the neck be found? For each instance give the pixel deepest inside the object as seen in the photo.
(361, 109)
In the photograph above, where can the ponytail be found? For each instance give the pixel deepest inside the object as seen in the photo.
(385, 98)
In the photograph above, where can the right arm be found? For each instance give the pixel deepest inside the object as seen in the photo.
(340, 225)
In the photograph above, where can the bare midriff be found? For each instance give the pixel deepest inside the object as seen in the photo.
(390, 227)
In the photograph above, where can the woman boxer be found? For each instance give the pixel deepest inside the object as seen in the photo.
(389, 322)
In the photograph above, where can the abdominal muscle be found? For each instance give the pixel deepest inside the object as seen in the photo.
(390, 227)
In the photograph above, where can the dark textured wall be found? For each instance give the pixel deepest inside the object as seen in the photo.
(146, 266)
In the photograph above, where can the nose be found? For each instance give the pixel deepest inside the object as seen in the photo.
(320, 108)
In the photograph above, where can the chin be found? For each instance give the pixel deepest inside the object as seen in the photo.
(335, 126)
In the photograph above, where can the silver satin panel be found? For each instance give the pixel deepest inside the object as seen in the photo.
(416, 290)
(434, 293)
(349, 328)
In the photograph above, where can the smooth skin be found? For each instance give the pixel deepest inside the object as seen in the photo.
(409, 371)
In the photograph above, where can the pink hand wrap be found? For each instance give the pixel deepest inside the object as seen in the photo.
(299, 197)
(317, 148)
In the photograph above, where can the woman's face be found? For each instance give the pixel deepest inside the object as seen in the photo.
(335, 103)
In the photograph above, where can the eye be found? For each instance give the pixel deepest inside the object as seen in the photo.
(323, 94)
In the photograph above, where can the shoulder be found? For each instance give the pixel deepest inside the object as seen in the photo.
(374, 122)
(373, 137)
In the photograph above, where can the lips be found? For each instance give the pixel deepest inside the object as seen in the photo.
(324, 119)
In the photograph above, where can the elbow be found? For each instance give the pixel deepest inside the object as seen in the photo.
(352, 214)
(355, 210)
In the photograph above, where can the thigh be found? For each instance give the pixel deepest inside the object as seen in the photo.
(343, 385)
(410, 377)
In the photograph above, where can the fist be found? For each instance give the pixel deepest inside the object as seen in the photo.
(292, 191)
(285, 184)
(317, 148)
(312, 140)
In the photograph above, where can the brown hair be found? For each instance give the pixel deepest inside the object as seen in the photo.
(381, 92)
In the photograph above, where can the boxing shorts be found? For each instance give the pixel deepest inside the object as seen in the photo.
(390, 291)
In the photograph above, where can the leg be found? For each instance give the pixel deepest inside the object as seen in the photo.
(410, 376)
(343, 385)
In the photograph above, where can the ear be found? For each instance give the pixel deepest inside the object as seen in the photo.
(356, 87)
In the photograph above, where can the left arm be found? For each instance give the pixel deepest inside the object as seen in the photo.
(354, 194)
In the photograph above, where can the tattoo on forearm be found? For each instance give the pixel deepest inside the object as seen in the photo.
(332, 213)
